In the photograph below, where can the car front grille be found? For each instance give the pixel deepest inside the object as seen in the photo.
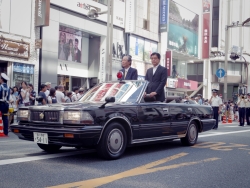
(47, 116)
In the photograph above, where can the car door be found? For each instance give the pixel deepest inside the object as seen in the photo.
(154, 120)
(180, 116)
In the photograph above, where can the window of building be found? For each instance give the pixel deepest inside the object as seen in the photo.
(105, 2)
(215, 22)
(145, 14)
(200, 69)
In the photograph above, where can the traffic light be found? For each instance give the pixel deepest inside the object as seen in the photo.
(234, 56)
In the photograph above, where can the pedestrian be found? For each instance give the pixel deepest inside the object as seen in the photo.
(200, 102)
(68, 97)
(12, 104)
(129, 73)
(48, 84)
(25, 93)
(4, 98)
(19, 101)
(231, 111)
(59, 94)
(32, 95)
(42, 94)
(15, 91)
(52, 96)
(216, 104)
(236, 112)
(242, 107)
(248, 109)
(193, 99)
(74, 94)
(157, 77)
(80, 93)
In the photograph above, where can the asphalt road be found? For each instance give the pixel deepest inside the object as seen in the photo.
(219, 159)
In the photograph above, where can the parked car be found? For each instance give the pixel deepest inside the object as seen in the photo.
(110, 117)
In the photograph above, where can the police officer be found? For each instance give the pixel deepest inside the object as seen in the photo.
(248, 108)
(216, 103)
(242, 107)
(4, 98)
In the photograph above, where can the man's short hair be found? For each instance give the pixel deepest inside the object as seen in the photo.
(157, 54)
(75, 88)
(60, 87)
(76, 40)
(129, 58)
(42, 86)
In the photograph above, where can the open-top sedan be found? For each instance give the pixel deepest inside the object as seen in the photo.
(110, 117)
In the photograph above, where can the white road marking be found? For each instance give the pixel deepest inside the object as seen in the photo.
(42, 157)
(51, 156)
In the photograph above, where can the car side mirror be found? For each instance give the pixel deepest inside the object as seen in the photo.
(110, 99)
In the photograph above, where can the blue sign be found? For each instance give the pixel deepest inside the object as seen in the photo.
(23, 68)
(220, 73)
(164, 15)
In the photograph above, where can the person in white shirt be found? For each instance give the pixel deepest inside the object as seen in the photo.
(48, 84)
(242, 107)
(216, 104)
(74, 94)
(25, 93)
(248, 109)
(59, 94)
(80, 94)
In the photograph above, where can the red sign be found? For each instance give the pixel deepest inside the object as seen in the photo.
(187, 84)
(168, 62)
(206, 30)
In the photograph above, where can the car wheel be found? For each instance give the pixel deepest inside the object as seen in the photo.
(191, 136)
(113, 142)
(49, 147)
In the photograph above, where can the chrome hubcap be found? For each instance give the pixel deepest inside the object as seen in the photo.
(192, 133)
(115, 141)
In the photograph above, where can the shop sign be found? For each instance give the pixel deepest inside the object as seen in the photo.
(164, 5)
(206, 29)
(172, 83)
(42, 13)
(117, 50)
(168, 62)
(183, 30)
(187, 84)
(14, 48)
(83, 7)
(23, 68)
(38, 43)
(130, 16)
(215, 86)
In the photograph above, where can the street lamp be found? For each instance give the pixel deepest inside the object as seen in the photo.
(233, 25)
(93, 13)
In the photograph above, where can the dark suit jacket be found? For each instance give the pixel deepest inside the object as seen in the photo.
(131, 74)
(78, 56)
(157, 82)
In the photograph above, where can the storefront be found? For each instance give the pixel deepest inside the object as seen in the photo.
(18, 56)
(74, 46)
(180, 87)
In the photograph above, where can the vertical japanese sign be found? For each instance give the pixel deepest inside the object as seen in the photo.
(164, 8)
(168, 62)
(206, 29)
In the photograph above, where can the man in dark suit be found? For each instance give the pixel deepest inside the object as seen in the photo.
(77, 52)
(157, 78)
(129, 73)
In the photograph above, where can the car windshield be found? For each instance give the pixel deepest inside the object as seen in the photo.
(128, 91)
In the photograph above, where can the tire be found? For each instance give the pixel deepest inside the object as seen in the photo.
(113, 142)
(49, 148)
(192, 135)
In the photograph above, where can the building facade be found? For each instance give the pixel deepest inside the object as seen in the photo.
(18, 56)
(73, 52)
(225, 13)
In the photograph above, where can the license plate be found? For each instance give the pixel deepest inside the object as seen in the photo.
(41, 138)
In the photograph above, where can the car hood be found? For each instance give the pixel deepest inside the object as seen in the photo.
(65, 106)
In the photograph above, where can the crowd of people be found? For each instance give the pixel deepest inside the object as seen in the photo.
(26, 96)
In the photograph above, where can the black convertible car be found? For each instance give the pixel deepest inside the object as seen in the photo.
(110, 117)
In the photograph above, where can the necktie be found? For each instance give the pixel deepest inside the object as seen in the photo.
(125, 74)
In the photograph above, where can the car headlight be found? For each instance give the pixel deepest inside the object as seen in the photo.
(23, 115)
(77, 117)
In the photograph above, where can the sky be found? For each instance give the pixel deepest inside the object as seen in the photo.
(193, 5)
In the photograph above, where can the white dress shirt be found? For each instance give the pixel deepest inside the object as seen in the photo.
(155, 68)
(126, 72)
(216, 101)
(242, 104)
(248, 103)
